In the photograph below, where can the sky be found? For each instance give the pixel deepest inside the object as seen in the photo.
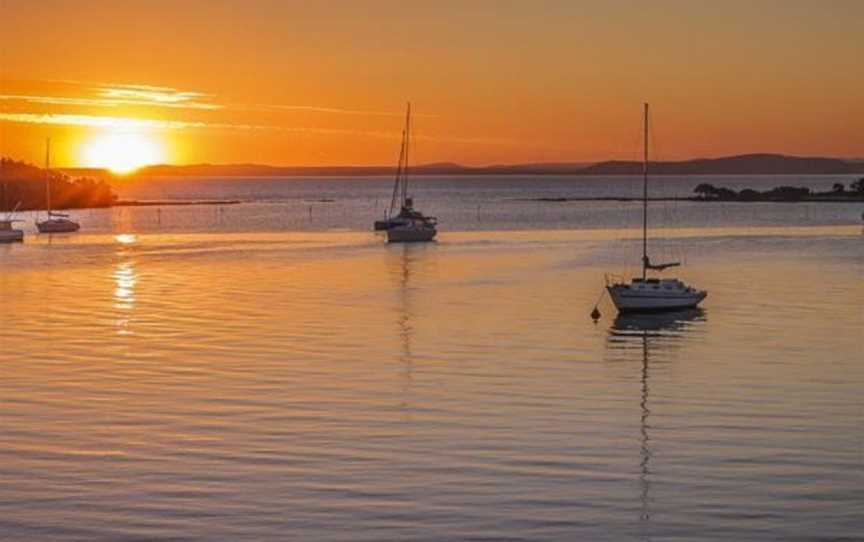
(123, 83)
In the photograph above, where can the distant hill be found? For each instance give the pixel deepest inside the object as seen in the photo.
(746, 164)
(441, 168)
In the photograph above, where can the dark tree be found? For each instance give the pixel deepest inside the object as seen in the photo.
(725, 193)
(749, 194)
(706, 190)
(838, 187)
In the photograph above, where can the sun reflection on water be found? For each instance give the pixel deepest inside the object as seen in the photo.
(125, 278)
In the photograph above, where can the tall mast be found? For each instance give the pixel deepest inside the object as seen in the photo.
(645, 195)
(407, 146)
(48, 175)
(397, 185)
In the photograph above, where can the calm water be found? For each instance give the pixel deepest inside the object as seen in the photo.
(252, 373)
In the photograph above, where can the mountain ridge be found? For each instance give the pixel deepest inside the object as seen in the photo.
(742, 164)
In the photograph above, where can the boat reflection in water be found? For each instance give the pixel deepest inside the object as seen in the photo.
(404, 263)
(633, 337)
(656, 324)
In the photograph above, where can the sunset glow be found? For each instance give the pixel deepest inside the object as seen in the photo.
(121, 152)
(431, 270)
(300, 83)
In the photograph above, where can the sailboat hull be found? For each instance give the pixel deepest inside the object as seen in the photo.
(11, 236)
(627, 299)
(55, 225)
(411, 234)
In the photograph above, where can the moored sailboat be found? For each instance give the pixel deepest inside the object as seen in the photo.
(8, 232)
(644, 294)
(56, 222)
(407, 224)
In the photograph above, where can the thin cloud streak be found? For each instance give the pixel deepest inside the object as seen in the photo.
(114, 97)
(132, 124)
(120, 94)
(333, 110)
(82, 94)
(120, 123)
(128, 123)
(157, 97)
(105, 102)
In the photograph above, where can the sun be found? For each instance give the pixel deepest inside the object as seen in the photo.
(121, 152)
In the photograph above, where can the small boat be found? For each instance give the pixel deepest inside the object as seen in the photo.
(653, 294)
(412, 225)
(644, 294)
(8, 233)
(56, 222)
(413, 230)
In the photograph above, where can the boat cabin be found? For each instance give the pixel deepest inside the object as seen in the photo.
(656, 284)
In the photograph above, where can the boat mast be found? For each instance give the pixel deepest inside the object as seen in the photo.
(48, 175)
(407, 146)
(398, 184)
(645, 195)
(400, 190)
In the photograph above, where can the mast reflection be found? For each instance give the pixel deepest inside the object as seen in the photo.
(407, 258)
(636, 335)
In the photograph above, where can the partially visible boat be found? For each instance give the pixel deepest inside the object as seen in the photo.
(56, 222)
(8, 232)
(644, 294)
(410, 224)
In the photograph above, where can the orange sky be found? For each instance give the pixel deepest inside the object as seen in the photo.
(308, 83)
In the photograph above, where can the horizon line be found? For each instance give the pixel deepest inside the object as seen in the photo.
(443, 163)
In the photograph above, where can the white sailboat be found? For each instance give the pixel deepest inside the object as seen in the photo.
(407, 224)
(652, 294)
(8, 232)
(56, 222)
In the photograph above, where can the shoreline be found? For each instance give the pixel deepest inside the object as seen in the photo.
(699, 200)
(169, 203)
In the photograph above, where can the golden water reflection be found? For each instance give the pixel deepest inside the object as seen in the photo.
(125, 279)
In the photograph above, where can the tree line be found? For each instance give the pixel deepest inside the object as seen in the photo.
(23, 185)
(708, 191)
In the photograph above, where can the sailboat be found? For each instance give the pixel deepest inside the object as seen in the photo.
(652, 294)
(56, 222)
(407, 224)
(8, 233)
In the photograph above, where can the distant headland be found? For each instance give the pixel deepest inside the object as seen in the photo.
(745, 164)
(839, 193)
(23, 186)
